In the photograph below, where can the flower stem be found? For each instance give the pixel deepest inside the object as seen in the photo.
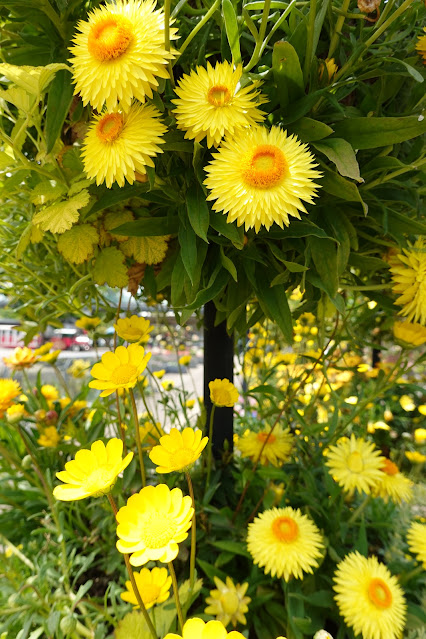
(176, 593)
(61, 379)
(132, 579)
(138, 437)
(200, 25)
(334, 41)
(193, 535)
(166, 8)
(359, 510)
(120, 423)
(310, 40)
(262, 30)
(209, 446)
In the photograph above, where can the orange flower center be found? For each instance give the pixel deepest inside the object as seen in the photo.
(285, 529)
(379, 593)
(124, 374)
(355, 463)
(109, 38)
(219, 95)
(264, 167)
(264, 436)
(389, 467)
(109, 127)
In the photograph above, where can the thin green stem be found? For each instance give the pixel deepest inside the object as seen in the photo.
(120, 423)
(61, 380)
(262, 31)
(359, 510)
(166, 8)
(310, 40)
(193, 535)
(337, 32)
(138, 436)
(390, 176)
(176, 594)
(200, 25)
(210, 445)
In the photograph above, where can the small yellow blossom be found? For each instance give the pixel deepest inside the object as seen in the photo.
(21, 358)
(42, 350)
(50, 358)
(15, 413)
(352, 400)
(49, 392)
(168, 384)
(190, 403)
(88, 323)
(228, 603)
(153, 585)
(407, 403)
(178, 451)
(422, 409)
(78, 368)
(184, 360)
(159, 374)
(119, 370)
(223, 393)
(415, 457)
(49, 438)
(420, 435)
(134, 329)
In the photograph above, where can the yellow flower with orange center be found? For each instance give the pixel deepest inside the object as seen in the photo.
(228, 603)
(355, 464)
(223, 393)
(119, 370)
(285, 543)
(393, 484)
(153, 585)
(49, 438)
(409, 278)
(21, 358)
(261, 176)
(369, 598)
(133, 329)
(178, 450)
(416, 538)
(119, 53)
(9, 389)
(272, 447)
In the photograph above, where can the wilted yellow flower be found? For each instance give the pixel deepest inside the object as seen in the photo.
(93, 472)
(88, 323)
(276, 451)
(21, 358)
(15, 412)
(78, 368)
(368, 6)
(416, 538)
(9, 389)
(415, 457)
(407, 403)
(393, 484)
(153, 585)
(420, 435)
(223, 393)
(355, 464)
(178, 450)
(49, 392)
(409, 334)
(184, 360)
(409, 277)
(198, 629)
(120, 369)
(133, 329)
(49, 438)
(228, 603)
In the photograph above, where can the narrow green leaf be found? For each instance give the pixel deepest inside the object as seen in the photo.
(231, 27)
(58, 104)
(188, 249)
(371, 133)
(341, 187)
(324, 255)
(228, 265)
(147, 226)
(273, 302)
(209, 293)
(309, 130)
(231, 231)
(198, 211)
(232, 546)
(342, 154)
(287, 72)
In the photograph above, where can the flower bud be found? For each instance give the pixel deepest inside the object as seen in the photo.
(68, 624)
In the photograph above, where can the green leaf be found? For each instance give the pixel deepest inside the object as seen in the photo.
(231, 27)
(235, 547)
(33, 79)
(231, 231)
(211, 571)
(77, 244)
(18, 97)
(6, 160)
(58, 104)
(24, 241)
(198, 211)
(273, 302)
(342, 154)
(371, 133)
(120, 194)
(298, 229)
(228, 264)
(287, 72)
(110, 269)
(147, 226)
(324, 255)
(341, 187)
(411, 70)
(309, 130)
(59, 217)
(210, 292)
(188, 249)
(294, 267)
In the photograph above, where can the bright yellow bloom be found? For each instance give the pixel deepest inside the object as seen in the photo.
(421, 46)
(9, 389)
(49, 438)
(407, 403)
(276, 451)
(190, 403)
(373, 426)
(120, 369)
(198, 629)
(159, 374)
(223, 393)
(150, 434)
(153, 585)
(284, 543)
(369, 598)
(168, 384)
(152, 524)
(212, 104)
(42, 350)
(119, 52)
(88, 323)
(422, 409)
(409, 334)
(93, 472)
(185, 360)
(415, 457)
(393, 485)
(416, 538)
(50, 358)
(21, 358)
(327, 69)
(409, 277)
(49, 392)
(133, 329)
(78, 368)
(420, 435)
(228, 603)
(355, 464)
(178, 450)
(15, 413)
(120, 145)
(260, 177)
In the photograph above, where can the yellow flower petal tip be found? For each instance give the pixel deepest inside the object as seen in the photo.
(198, 629)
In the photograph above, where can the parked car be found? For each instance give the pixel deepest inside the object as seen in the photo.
(70, 339)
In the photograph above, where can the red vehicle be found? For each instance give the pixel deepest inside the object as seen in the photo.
(10, 337)
(70, 339)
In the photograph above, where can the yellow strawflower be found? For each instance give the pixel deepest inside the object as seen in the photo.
(228, 603)
(88, 323)
(152, 524)
(369, 598)
(421, 46)
(284, 543)
(49, 392)
(420, 435)
(260, 177)
(133, 329)
(185, 360)
(78, 368)
(153, 585)
(355, 464)
(178, 450)
(49, 438)
(393, 484)
(407, 403)
(415, 457)
(118, 146)
(276, 451)
(409, 334)
(93, 472)
(20, 358)
(409, 277)
(9, 389)
(212, 103)
(416, 538)
(120, 369)
(15, 413)
(119, 52)
(223, 393)
(198, 629)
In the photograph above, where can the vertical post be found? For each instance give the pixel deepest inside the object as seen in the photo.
(218, 364)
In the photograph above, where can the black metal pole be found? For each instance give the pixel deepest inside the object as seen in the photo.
(218, 364)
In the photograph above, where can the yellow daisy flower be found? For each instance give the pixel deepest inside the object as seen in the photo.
(78, 368)
(284, 543)
(369, 598)
(9, 389)
(178, 450)
(409, 334)
(415, 457)
(120, 369)
(152, 524)
(159, 374)
(133, 329)
(228, 603)
(409, 277)
(393, 485)
(223, 393)
(20, 358)
(416, 538)
(276, 450)
(185, 360)
(355, 464)
(42, 350)
(407, 403)
(49, 392)
(15, 413)
(168, 384)
(212, 103)
(88, 323)
(50, 358)
(153, 585)
(119, 52)
(119, 145)
(421, 46)
(93, 472)
(198, 629)
(49, 438)
(420, 435)
(260, 177)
